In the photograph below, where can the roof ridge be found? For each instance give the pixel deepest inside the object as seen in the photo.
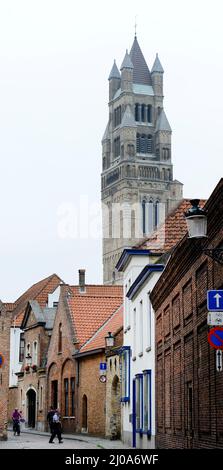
(48, 278)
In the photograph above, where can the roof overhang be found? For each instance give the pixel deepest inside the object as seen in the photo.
(142, 277)
(127, 255)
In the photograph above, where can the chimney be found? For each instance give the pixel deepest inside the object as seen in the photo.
(82, 287)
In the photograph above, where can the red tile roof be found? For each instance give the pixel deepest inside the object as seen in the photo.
(39, 292)
(91, 309)
(114, 325)
(171, 231)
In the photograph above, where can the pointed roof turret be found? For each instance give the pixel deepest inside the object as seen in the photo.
(157, 67)
(128, 119)
(141, 73)
(106, 133)
(162, 122)
(114, 72)
(127, 63)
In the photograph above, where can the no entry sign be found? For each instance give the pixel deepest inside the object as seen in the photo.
(215, 337)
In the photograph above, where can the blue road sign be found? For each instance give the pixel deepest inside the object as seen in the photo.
(103, 366)
(1, 360)
(215, 337)
(215, 300)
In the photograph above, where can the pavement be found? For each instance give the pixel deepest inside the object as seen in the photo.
(40, 440)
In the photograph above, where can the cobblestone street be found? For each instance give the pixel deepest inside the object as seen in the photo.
(31, 440)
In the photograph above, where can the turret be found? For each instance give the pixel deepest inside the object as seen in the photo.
(114, 81)
(157, 77)
(126, 73)
(163, 137)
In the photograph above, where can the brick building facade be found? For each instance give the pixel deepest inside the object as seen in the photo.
(189, 390)
(5, 324)
(73, 383)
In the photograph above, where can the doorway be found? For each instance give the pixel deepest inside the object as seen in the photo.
(84, 413)
(31, 408)
(54, 394)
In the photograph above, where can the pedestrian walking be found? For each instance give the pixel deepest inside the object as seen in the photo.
(16, 417)
(56, 428)
(50, 414)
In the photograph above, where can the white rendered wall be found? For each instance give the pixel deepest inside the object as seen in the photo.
(144, 357)
(15, 365)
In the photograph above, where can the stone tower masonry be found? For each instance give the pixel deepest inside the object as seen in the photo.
(137, 183)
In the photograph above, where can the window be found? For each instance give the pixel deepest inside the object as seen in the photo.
(156, 214)
(148, 323)
(141, 328)
(134, 332)
(149, 113)
(66, 398)
(35, 353)
(117, 147)
(28, 355)
(41, 398)
(117, 116)
(139, 402)
(72, 389)
(144, 143)
(125, 373)
(143, 112)
(21, 347)
(147, 402)
(60, 338)
(144, 217)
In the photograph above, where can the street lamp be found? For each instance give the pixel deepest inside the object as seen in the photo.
(196, 218)
(109, 340)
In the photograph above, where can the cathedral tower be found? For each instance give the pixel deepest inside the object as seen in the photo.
(137, 174)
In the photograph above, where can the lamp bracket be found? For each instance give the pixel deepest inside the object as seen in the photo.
(215, 253)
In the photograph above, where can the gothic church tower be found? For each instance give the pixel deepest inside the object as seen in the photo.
(137, 173)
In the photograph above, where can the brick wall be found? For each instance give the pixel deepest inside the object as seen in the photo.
(5, 323)
(95, 391)
(189, 390)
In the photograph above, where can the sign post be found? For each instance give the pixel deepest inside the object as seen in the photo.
(219, 360)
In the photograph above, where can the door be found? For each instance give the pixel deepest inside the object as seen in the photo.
(189, 416)
(134, 413)
(54, 394)
(84, 413)
(31, 405)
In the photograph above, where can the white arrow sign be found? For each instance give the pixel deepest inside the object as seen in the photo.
(217, 297)
(218, 360)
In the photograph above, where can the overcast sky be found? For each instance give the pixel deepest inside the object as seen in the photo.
(55, 58)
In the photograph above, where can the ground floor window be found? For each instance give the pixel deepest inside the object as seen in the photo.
(147, 401)
(139, 402)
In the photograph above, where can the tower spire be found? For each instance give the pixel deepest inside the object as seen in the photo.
(135, 27)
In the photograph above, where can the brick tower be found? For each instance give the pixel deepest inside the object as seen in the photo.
(137, 173)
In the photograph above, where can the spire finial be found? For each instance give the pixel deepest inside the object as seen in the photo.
(135, 26)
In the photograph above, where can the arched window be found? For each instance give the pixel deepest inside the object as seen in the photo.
(144, 143)
(143, 113)
(149, 113)
(136, 112)
(150, 216)
(35, 353)
(156, 214)
(144, 216)
(28, 352)
(60, 338)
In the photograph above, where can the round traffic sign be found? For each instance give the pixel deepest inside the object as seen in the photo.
(1, 360)
(215, 337)
(102, 378)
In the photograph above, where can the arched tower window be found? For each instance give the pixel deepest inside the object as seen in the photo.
(60, 338)
(150, 216)
(156, 214)
(143, 117)
(149, 113)
(136, 112)
(144, 216)
(149, 144)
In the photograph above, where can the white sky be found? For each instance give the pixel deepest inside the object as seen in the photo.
(55, 58)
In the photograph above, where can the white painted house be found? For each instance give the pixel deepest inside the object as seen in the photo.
(140, 274)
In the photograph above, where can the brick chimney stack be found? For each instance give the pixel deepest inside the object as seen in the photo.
(82, 287)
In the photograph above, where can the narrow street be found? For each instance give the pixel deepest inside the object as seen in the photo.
(31, 440)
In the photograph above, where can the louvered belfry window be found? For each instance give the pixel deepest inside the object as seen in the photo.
(144, 143)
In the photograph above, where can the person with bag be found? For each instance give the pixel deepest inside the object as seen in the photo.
(50, 415)
(16, 417)
(56, 428)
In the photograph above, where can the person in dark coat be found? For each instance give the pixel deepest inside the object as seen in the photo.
(56, 428)
(50, 418)
(16, 417)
